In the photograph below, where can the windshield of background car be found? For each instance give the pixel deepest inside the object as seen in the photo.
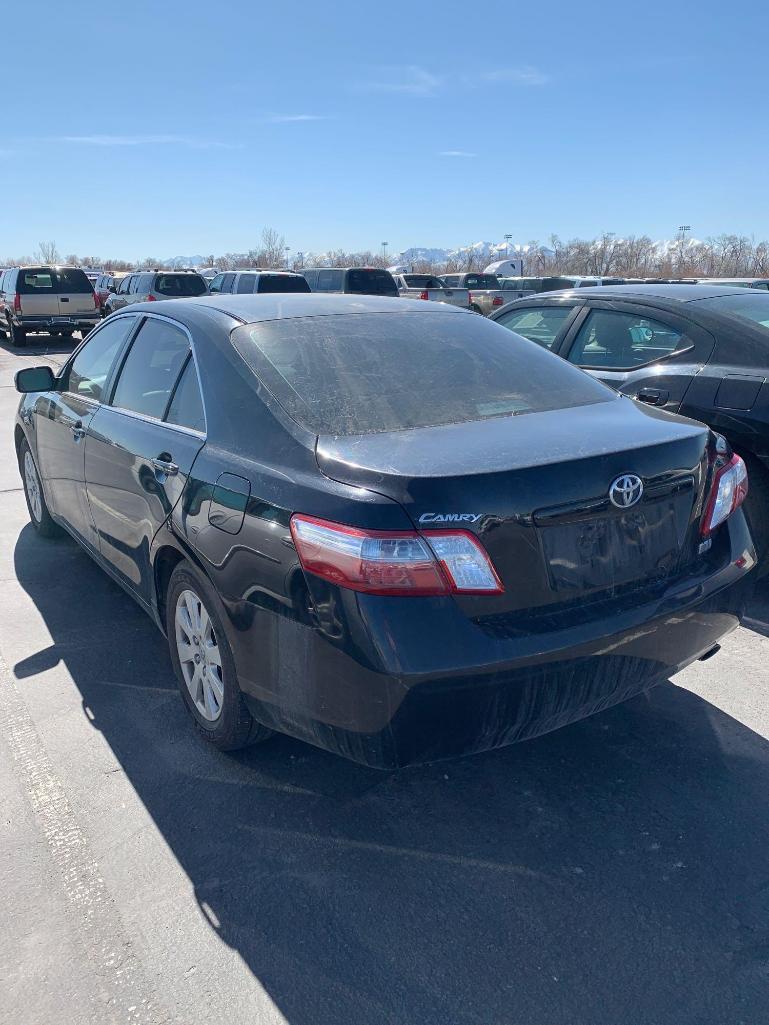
(282, 283)
(366, 373)
(754, 308)
(371, 282)
(177, 285)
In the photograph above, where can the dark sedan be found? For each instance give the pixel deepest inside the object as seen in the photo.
(698, 350)
(386, 527)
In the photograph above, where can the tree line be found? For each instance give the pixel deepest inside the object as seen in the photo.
(606, 255)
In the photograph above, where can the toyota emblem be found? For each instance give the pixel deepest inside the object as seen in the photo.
(626, 490)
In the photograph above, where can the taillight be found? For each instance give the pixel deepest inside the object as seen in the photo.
(470, 298)
(17, 303)
(728, 492)
(151, 298)
(96, 301)
(423, 295)
(497, 300)
(399, 562)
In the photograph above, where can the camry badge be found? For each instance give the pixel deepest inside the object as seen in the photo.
(451, 517)
(626, 490)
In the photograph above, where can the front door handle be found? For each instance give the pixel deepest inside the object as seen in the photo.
(63, 299)
(652, 396)
(163, 464)
(78, 431)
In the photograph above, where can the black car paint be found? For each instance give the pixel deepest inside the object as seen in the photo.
(360, 674)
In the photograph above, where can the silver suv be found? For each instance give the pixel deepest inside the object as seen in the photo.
(58, 300)
(150, 285)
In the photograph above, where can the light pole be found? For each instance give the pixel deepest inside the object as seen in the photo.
(288, 250)
(384, 252)
(300, 258)
(683, 228)
(522, 250)
(507, 245)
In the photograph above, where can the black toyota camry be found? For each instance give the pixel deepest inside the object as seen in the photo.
(390, 528)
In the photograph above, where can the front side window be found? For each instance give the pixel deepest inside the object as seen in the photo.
(216, 284)
(365, 373)
(186, 408)
(540, 324)
(124, 285)
(622, 341)
(151, 368)
(90, 369)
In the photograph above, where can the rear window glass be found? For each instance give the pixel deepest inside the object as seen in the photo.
(282, 283)
(32, 281)
(422, 281)
(180, 284)
(72, 279)
(365, 373)
(371, 282)
(482, 281)
(754, 308)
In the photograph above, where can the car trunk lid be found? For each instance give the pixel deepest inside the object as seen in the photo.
(535, 490)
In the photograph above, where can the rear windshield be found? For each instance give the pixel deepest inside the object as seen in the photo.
(371, 372)
(371, 282)
(180, 284)
(754, 308)
(422, 281)
(282, 283)
(33, 280)
(482, 281)
(72, 279)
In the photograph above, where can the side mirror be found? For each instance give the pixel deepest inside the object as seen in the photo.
(34, 379)
(111, 288)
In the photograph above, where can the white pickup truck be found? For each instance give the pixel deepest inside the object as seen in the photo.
(485, 292)
(431, 287)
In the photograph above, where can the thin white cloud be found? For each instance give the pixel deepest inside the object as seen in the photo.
(456, 153)
(288, 119)
(409, 79)
(192, 142)
(525, 75)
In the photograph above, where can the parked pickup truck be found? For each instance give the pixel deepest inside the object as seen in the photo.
(485, 292)
(428, 286)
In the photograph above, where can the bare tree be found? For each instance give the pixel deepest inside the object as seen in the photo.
(47, 253)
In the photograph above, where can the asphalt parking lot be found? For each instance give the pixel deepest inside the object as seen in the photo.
(614, 871)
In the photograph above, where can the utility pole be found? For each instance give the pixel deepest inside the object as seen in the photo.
(384, 252)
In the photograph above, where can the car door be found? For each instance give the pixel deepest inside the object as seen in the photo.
(136, 460)
(120, 298)
(62, 419)
(641, 350)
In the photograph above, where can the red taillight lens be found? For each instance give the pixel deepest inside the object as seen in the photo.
(151, 298)
(728, 492)
(17, 303)
(423, 295)
(497, 300)
(96, 301)
(400, 562)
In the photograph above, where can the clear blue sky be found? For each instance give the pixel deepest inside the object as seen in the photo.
(173, 128)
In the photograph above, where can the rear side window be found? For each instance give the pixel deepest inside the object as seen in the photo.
(282, 283)
(754, 308)
(151, 368)
(36, 281)
(186, 408)
(540, 324)
(621, 341)
(177, 285)
(330, 280)
(246, 284)
(371, 282)
(364, 373)
(89, 370)
(73, 280)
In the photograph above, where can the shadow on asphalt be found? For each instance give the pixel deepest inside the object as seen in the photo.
(612, 872)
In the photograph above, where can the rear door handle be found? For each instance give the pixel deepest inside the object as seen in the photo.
(165, 466)
(63, 299)
(652, 396)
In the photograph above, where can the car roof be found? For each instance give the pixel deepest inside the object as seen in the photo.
(251, 309)
(673, 293)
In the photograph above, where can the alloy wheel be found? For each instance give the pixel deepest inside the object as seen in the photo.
(199, 655)
(32, 486)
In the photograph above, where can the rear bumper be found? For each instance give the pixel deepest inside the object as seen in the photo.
(383, 688)
(77, 320)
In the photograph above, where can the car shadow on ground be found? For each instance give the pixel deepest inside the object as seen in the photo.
(41, 345)
(615, 871)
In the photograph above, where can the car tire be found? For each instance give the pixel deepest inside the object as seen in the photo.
(37, 507)
(18, 336)
(207, 678)
(757, 511)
